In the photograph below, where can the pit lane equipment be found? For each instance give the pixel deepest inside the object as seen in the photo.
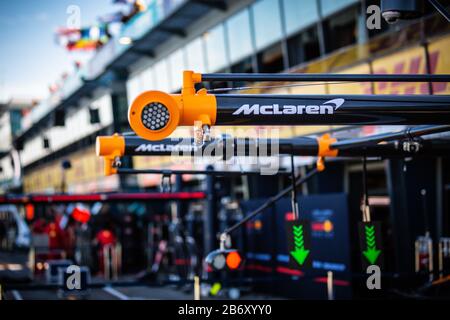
(154, 115)
(412, 141)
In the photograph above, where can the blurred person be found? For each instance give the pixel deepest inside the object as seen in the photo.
(55, 234)
(103, 239)
(11, 234)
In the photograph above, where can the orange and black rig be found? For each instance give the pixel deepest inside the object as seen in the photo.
(154, 115)
(412, 141)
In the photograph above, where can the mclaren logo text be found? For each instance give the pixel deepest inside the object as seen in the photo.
(272, 109)
(166, 148)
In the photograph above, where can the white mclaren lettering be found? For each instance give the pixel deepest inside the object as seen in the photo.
(165, 148)
(328, 107)
(246, 109)
(276, 109)
(290, 109)
(312, 109)
(266, 109)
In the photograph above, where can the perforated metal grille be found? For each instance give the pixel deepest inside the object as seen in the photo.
(155, 116)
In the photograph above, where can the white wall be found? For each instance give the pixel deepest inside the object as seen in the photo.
(77, 126)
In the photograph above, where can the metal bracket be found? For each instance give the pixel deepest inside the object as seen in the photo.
(411, 146)
(117, 163)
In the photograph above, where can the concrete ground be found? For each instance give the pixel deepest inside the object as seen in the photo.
(14, 274)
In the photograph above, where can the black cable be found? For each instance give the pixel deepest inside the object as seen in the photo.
(441, 9)
(271, 201)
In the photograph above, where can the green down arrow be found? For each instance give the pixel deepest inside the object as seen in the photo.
(371, 253)
(300, 253)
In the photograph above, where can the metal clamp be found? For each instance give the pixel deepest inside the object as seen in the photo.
(202, 133)
(117, 163)
(412, 143)
(411, 146)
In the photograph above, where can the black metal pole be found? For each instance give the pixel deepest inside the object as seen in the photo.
(179, 188)
(323, 77)
(407, 134)
(137, 146)
(394, 149)
(365, 183)
(210, 217)
(288, 110)
(300, 146)
(203, 172)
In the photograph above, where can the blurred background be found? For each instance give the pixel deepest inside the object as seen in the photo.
(70, 69)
